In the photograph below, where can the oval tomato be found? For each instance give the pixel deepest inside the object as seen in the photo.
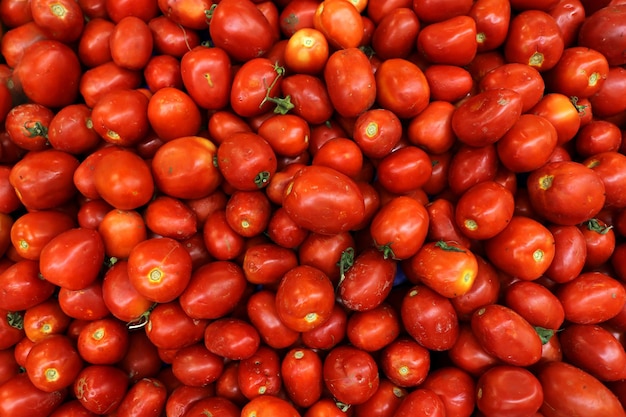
(350, 374)
(20, 397)
(484, 210)
(495, 398)
(231, 338)
(405, 362)
(301, 370)
(537, 304)
(450, 42)
(246, 161)
(53, 363)
(100, 388)
(402, 87)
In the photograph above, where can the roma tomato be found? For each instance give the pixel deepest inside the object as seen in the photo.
(608, 165)
(159, 268)
(552, 187)
(591, 298)
(241, 29)
(146, 397)
(266, 263)
(269, 406)
(32, 231)
(53, 363)
(196, 366)
(537, 304)
(597, 32)
(484, 210)
(559, 110)
(484, 118)
(120, 117)
(246, 161)
(23, 286)
(468, 354)
(524, 249)
(377, 132)
(329, 334)
(429, 318)
(484, 291)
(400, 227)
(207, 76)
(261, 309)
(323, 200)
(121, 230)
(495, 398)
(570, 252)
(170, 328)
(445, 267)
(421, 403)
(340, 22)
(306, 51)
(103, 342)
(350, 80)
(404, 170)
(100, 388)
(259, 375)
(172, 114)
(396, 33)
(580, 72)
(350, 374)
(131, 43)
(492, 23)
(71, 130)
(402, 87)
(19, 397)
(231, 338)
(405, 362)
(600, 242)
(309, 97)
(120, 296)
(215, 405)
(255, 88)
(27, 125)
(431, 130)
(448, 82)
(301, 370)
(341, 154)
(583, 391)
(455, 387)
(73, 259)
(374, 329)
(506, 335)
(449, 42)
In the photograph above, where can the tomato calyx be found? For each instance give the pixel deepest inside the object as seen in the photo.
(581, 108)
(447, 247)
(208, 14)
(283, 105)
(345, 262)
(36, 129)
(388, 253)
(536, 60)
(594, 225)
(544, 334)
(142, 320)
(15, 320)
(262, 178)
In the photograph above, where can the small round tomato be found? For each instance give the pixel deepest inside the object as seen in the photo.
(484, 210)
(506, 335)
(429, 318)
(53, 363)
(524, 249)
(350, 80)
(123, 179)
(100, 388)
(159, 268)
(496, 398)
(553, 187)
(405, 362)
(445, 267)
(350, 374)
(73, 259)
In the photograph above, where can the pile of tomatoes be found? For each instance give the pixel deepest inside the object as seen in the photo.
(317, 208)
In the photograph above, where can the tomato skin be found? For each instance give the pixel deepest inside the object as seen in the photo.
(402, 87)
(429, 318)
(246, 161)
(583, 393)
(494, 325)
(44, 179)
(23, 286)
(53, 363)
(597, 33)
(538, 305)
(301, 370)
(554, 185)
(340, 23)
(396, 33)
(353, 97)
(591, 298)
(259, 375)
(484, 118)
(207, 76)
(383, 403)
(123, 180)
(241, 30)
(97, 81)
(608, 165)
(484, 210)
(421, 402)
(120, 296)
(79, 248)
(496, 398)
(350, 374)
(170, 328)
(31, 231)
(119, 117)
(215, 405)
(146, 397)
(196, 366)
(524, 249)
(522, 78)
(558, 109)
(100, 388)
(377, 132)
(404, 170)
(485, 290)
(49, 74)
(335, 205)
(455, 387)
(261, 309)
(580, 72)
(455, 40)
(20, 397)
(103, 342)
(492, 23)
(608, 101)
(309, 96)
(470, 165)
(269, 406)
(405, 362)
(374, 329)
(539, 45)
(27, 125)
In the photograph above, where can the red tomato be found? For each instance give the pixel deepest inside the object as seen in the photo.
(71, 130)
(93, 46)
(23, 286)
(468, 354)
(528, 145)
(61, 20)
(11, 330)
(570, 253)
(583, 390)
(400, 227)
(261, 309)
(396, 33)
(104, 78)
(429, 318)
(73, 259)
(184, 398)
(484, 291)
(404, 170)
(340, 23)
(405, 362)
(377, 132)
(100, 388)
(522, 78)
(121, 230)
(455, 387)
(103, 342)
(506, 335)
(595, 350)
(20, 397)
(341, 154)
(484, 118)
(492, 23)
(524, 249)
(163, 71)
(373, 329)
(484, 210)
(170, 328)
(120, 296)
(534, 39)
(448, 82)
(231, 338)
(431, 130)
(329, 334)
(146, 397)
(306, 51)
(536, 304)
(159, 269)
(591, 298)
(44, 179)
(172, 114)
(402, 87)
(246, 161)
(323, 200)
(214, 405)
(580, 72)
(45, 319)
(496, 397)
(350, 374)
(450, 42)
(596, 137)
(350, 80)
(120, 117)
(301, 370)
(608, 101)
(259, 375)
(559, 110)
(131, 43)
(170, 38)
(27, 125)
(421, 403)
(32, 231)
(608, 165)
(124, 180)
(269, 406)
(600, 242)
(196, 366)
(554, 186)
(598, 33)
(309, 97)
(241, 29)
(49, 74)
(53, 363)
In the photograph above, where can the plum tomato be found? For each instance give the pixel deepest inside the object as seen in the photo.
(350, 374)
(496, 398)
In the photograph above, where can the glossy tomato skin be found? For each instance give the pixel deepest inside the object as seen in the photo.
(538, 305)
(584, 391)
(261, 309)
(31, 231)
(231, 338)
(350, 374)
(323, 200)
(591, 298)
(78, 250)
(27, 125)
(259, 375)
(580, 72)
(484, 210)
(309, 96)
(44, 179)
(494, 326)
(524, 249)
(350, 98)
(196, 366)
(269, 406)
(593, 349)
(374, 329)
(402, 87)
(146, 397)
(405, 362)
(20, 397)
(608, 165)
(492, 23)
(169, 107)
(496, 398)
(421, 402)
(103, 342)
(24, 287)
(248, 36)
(484, 291)
(53, 363)
(561, 112)
(119, 117)
(468, 354)
(396, 34)
(246, 161)
(597, 33)
(455, 387)
(301, 370)
(100, 388)
(548, 186)
(170, 328)
(429, 318)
